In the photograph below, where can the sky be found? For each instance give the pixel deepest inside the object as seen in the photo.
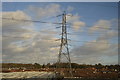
(92, 29)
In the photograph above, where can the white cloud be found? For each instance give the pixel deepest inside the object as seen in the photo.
(109, 35)
(33, 46)
(78, 24)
(19, 15)
(100, 50)
(14, 33)
(104, 26)
(75, 21)
(101, 25)
(73, 18)
(27, 35)
(46, 11)
(70, 8)
(92, 47)
(16, 48)
(13, 27)
(41, 47)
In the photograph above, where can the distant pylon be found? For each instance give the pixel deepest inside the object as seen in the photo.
(64, 49)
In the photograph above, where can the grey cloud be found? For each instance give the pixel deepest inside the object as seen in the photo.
(92, 53)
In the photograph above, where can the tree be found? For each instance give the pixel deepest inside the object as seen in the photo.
(48, 65)
(99, 66)
(43, 66)
(37, 65)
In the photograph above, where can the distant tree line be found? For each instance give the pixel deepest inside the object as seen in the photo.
(97, 66)
(55, 65)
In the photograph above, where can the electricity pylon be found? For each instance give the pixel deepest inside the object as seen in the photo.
(64, 50)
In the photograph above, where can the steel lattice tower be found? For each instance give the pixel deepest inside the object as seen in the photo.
(64, 50)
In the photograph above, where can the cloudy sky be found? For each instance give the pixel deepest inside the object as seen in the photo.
(92, 32)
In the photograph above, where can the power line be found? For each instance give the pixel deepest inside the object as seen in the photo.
(55, 23)
(89, 27)
(88, 34)
(50, 17)
(50, 28)
(30, 21)
(84, 35)
(15, 37)
(89, 42)
(23, 30)
(29, 38)
(82, 41)
(77, 34)
(55, 33)
(94, 27)
(71, 33)
(58, 40)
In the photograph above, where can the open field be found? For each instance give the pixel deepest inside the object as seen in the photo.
(30, 74)
(78, 73)
(35, 75)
